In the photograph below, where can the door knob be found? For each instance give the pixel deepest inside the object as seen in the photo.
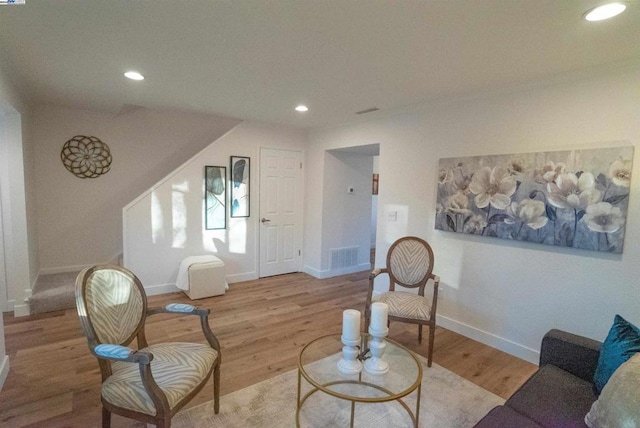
(264, 220)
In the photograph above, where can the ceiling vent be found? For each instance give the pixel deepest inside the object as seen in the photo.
(369, 110)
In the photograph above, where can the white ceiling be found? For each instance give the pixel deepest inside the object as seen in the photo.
(258, 59)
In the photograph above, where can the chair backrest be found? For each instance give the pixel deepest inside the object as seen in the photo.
(112, 304)
(409, 262)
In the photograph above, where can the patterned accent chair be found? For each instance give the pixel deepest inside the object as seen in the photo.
(150, 383)
(410, 265)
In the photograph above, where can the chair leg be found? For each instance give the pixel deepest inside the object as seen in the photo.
(106, 418)
(419, 333)
(216, 390)
(432, 333)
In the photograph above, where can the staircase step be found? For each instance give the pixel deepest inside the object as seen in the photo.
(53, 292)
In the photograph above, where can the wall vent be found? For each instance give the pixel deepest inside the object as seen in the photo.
(344, 257)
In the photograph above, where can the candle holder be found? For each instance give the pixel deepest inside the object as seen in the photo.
(349, 363)
(376, 365)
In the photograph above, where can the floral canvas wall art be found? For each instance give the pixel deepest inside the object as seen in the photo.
(573, 198)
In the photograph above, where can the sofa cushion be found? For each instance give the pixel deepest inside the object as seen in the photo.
(554, 398)
(505, 417)
(622, 342)
(619, 403)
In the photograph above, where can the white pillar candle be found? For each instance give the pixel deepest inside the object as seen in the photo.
(379, 316)
(351, 324)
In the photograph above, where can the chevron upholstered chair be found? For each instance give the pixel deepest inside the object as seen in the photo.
(410, 265)
(150, 383)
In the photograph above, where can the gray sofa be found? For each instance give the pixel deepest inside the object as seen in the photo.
(559, 394)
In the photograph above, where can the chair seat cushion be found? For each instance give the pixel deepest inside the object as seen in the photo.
(403, 304)
(177, 368)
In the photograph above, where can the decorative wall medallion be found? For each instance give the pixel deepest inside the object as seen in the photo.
(86, 157)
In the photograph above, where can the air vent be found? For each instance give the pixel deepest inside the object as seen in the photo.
(344, 257)
(369, 110)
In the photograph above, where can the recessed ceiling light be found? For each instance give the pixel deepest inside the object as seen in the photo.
(302, 108)
(604, 11)
(134, 75)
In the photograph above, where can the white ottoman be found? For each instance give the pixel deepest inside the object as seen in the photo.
(206, 277)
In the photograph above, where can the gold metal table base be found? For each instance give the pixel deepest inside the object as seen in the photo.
(391, 397)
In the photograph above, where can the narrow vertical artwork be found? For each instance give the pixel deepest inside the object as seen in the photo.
(573, 198)
(215, 197)
(374, 188)
(240, 186)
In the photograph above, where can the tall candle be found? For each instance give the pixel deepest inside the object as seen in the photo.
(379, 316)
(351, 324)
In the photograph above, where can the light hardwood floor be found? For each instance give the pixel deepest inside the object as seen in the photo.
(261, 325)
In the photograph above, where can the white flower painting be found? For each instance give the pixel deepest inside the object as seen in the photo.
(576, 198)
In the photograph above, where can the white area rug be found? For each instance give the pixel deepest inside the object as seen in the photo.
(447, 401)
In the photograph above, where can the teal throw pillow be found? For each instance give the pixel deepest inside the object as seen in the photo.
(622, 343)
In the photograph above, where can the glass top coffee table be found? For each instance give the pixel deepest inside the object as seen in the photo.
(317, 364)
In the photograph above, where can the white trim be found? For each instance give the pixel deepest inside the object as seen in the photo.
(64, 269)
(241, 277)
(489, 339)
(154, 290)
(4, 370)
(322, 274)
(22, 310)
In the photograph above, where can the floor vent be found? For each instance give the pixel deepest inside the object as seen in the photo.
(344, 257)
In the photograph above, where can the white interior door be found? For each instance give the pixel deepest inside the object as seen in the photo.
(280, 212)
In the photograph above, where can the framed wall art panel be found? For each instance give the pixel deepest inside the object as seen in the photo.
(240, 170)
(215, 210)
(572, 198)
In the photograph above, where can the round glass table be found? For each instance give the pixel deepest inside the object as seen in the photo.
(317, 365)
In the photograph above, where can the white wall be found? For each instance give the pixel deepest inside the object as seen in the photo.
(154, 248)
(79, 220)
(506, 294)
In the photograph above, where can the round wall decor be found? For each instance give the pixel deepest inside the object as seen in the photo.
(86, 157)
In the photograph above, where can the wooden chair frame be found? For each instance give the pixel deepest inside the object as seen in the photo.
(164, 413)
(393, 280)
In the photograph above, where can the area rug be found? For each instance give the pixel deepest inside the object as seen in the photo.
(447, 401)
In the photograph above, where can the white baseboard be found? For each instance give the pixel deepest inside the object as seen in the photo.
(64, 269)
(21, 310)
(489, 339)
(329, 273)
(240, 277)
(4, 370)
(154, 290)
